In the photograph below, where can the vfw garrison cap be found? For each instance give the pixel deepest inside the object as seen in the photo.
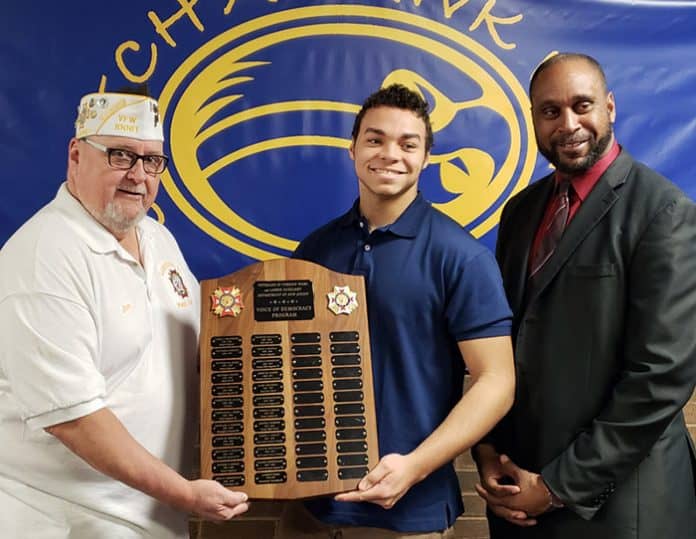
(119, 115)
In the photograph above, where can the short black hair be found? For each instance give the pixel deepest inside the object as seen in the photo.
(400, 97)
(565, 56)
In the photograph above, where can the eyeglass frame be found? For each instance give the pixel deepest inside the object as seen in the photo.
(109, 151)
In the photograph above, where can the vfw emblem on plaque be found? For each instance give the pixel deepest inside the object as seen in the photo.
(342, 300)
(226, 301)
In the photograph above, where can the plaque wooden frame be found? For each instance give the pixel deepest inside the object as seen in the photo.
(269, 340)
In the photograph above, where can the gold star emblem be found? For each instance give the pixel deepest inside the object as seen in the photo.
(342, 300)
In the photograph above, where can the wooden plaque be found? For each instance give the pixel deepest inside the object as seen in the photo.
(287, 405)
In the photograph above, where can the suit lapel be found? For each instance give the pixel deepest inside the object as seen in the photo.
(602, 197)
(524, 223)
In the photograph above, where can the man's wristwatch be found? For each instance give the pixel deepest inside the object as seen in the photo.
(554, 501)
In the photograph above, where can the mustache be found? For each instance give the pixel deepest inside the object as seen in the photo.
(570, 139)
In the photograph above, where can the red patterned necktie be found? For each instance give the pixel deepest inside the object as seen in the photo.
(553, 228)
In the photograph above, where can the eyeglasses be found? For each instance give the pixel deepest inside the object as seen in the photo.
(125, 159)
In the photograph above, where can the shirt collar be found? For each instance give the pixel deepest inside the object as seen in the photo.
(406, 225)
(583, 184)
(97, 238)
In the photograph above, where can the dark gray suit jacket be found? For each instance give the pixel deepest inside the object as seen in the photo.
(605, 351)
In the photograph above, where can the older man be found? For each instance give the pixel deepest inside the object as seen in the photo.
(97, 360)
(599, 265)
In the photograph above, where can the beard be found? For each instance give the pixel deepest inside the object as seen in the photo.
(114, 219)
(574, 168)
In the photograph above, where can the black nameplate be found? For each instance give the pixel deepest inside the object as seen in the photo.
(271, 464)
(269, 413)
(262, 363)
(226, 377)
(311, 462)
(349, 409)
(347, 359)
(352, 473)
(352, 460)
(268, 400)
(266, 351)
(226, 340)
(350, 421)
(310, 449)
(351, 447)
(309, 385)
(266, 339)
(283, 300)
(266, 426)
(228, 428)
(229, 480)
(348, 396)
(344, 336)
(308, 398)
(305, 349)
(229, 402)
(265, 478)
(228, 467)
(228, 454)
(229, 365)
(306, 361)
(270, 387)
(312, 475)
(234, 389)
(304, 338)
(345, 348)
(306, 374)
(227, 352)
(267, 438)
(346, 372)
(347, 383)
(310, 436)
(310, 423)
(259, 376)
(227, 415)
(351, 434)
(304, 411)
(228, 441)
(269, 451)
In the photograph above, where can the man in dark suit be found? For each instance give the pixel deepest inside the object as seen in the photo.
(599, 266)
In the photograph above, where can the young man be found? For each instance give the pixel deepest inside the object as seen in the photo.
(435, 302)
(100, 321)
(604, 303)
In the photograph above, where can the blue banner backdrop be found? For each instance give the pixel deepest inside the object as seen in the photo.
(258, 99)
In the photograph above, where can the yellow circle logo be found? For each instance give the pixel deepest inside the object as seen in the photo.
(479, 113)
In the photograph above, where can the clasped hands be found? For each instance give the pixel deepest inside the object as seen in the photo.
(511, 492)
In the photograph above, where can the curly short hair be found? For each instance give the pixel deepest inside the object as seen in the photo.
(400, 97)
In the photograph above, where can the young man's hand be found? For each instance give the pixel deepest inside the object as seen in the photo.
(386, 483)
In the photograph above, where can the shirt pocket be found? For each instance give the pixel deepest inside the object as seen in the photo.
(592, 271)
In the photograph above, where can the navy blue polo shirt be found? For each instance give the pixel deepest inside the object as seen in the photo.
(429, 285)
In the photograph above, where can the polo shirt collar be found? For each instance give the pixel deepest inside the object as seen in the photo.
(407, 224)
(97, 238)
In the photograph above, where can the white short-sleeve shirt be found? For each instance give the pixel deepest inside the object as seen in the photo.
(84, 326)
